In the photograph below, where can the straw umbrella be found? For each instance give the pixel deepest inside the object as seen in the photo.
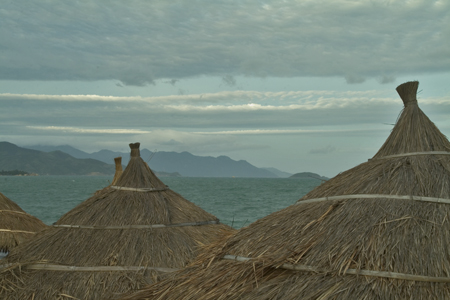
(16, 226)
(380, 230)
(128, 235)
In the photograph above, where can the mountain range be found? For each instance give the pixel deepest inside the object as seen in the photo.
(13, 157)
(67, 160)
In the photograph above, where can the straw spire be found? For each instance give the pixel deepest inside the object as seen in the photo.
(119, 171)
(16, 226)
(125, 236)
(135, 150)
(408, 92)
(377, 231)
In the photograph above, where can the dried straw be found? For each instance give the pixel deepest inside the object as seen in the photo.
(107, 245)
(16, 226)
(349, 248)
(119, 171)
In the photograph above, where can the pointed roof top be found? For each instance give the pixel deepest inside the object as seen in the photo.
(414, 132)
(408, 92)
(137, 174)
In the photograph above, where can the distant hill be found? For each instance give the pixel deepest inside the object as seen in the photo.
(14, 173)
(64, 148)
(13, 157)
(184, 163)
(309, 175)
(279, 173)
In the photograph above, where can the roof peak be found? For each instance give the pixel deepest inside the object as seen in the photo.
(135, 152)
(408, 92)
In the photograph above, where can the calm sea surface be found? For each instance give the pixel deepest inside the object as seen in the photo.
(235, 201)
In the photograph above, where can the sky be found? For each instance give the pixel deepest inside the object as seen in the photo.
(301, 86)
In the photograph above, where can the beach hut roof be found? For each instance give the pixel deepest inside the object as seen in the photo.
(123, 237)
(16, 226)
(380, 230)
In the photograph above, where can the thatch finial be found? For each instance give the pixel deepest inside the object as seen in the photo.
(135, 150)
(408, 92)
(118, 162)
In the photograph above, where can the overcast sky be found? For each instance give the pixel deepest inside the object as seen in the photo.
(296, 85)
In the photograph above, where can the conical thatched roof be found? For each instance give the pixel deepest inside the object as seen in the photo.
(16, 225)
(378, 231)
(120, 239)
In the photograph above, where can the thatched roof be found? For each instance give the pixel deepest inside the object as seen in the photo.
(378, 231)
(128, 235)
(16, 225)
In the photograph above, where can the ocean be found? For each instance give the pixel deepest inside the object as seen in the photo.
(235, 201)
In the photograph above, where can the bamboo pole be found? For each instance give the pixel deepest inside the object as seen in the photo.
(384, 274)
(138, 226)
(53, 267)
(19, 231)
(13, 211)
(144, 190)
(413, 154)
(375, 196)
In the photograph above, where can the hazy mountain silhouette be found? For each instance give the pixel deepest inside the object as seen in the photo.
(309, 175)
(185, 163)
(57, 162)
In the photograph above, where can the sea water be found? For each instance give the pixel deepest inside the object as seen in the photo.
(235, 201)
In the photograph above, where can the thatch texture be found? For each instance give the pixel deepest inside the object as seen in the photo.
(122, 238)
(16, 226)
(370, 243)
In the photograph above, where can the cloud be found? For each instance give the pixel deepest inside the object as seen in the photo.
(324, 150)
(239, 96)
(229, 80)
(175, 140)
(140, 42)
(227, 110)
(87, 130)
(248, 111)
(385, 79)
(208, 123)
(280, 131)
(172, 82)
(171, 142)
(351, 79)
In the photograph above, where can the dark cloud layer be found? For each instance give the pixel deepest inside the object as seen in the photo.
(138, 42)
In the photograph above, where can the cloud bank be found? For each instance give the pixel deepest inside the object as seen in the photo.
(139, 42)
(222, 111)
(203, 122)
